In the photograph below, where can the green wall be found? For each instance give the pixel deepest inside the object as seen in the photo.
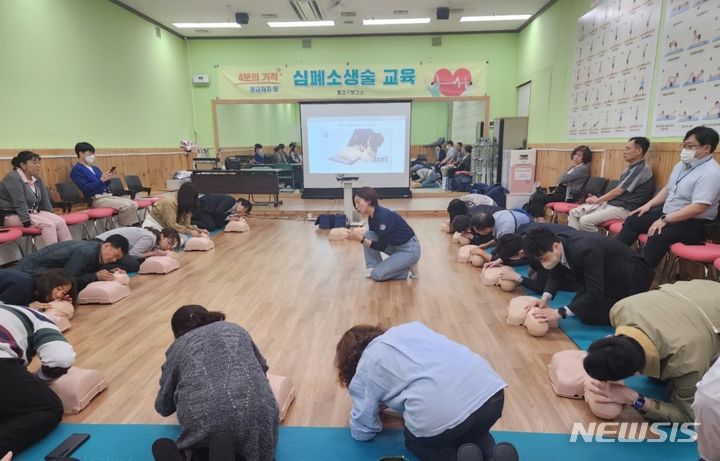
(89, 70)
(500, 50)
(545, 53)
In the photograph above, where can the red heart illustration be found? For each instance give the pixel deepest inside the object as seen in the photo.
(452, 84)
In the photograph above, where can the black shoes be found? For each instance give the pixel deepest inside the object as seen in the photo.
(503, 452)
(469, 452)
(166, 450)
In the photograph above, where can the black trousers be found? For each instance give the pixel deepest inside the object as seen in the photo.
(691, 232)
(536, 207)
(475, 429)
(29, 410)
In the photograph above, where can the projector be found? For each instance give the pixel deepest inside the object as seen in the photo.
(342, 177)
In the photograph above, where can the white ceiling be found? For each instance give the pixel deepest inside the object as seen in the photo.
(167, 12)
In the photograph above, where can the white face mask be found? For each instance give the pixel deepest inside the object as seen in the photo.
(90, 158)
(687, 155)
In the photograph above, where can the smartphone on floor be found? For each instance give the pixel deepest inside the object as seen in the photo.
(68, 446)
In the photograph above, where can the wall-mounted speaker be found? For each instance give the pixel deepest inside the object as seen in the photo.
(242, 18)
(442, 13)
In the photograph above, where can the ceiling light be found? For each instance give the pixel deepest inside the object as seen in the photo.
(389, 22)
(301, 23)
(507, 17)
(206, 25)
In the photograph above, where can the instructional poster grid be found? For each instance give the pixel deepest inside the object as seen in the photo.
(688, 85)
(613, 69)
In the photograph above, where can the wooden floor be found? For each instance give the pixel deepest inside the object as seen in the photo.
(296, 293)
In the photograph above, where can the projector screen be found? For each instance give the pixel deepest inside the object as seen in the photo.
(368, 140)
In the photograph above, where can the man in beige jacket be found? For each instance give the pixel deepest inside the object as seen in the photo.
(672, 334)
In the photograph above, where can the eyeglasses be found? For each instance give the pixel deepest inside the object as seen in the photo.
(687, 145)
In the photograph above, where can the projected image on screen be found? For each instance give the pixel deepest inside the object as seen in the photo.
(356, 144)
(369, 140)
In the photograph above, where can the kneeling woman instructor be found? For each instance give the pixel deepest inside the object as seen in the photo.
(389, 234)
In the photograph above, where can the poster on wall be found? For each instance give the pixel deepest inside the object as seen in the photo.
(348, 81)
(613, 69)
(688, 85)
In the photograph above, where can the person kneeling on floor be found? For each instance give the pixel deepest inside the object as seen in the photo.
(509, 251)
(606, 270)
(36, 290)
(388, 233)
(214, 377)
(672, 334)
(29, 409)
(143, 243)
(81, 259)
(447, 395)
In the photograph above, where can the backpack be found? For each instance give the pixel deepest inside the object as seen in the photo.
(462, 183)
(330, 221)
(497, 193)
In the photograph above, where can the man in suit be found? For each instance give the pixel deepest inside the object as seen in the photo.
(95, 185)
(606, 270)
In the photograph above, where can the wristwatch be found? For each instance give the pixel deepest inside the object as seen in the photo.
(563, 312)
(362, 241)
(639, 403)
(663, 218)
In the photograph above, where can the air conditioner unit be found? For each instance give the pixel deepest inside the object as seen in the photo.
(307, 10)
(201, 79)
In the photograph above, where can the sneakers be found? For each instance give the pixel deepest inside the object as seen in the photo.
(413, 272)
(469, 452)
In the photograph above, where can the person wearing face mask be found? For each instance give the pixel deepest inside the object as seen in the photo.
(689, 200)
(25, 201)
(605, 269)
(95, 184)
(259, 156)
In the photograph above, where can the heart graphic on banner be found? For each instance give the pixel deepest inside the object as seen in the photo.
(452, 84)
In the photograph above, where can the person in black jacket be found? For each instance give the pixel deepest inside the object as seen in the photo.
(607, 271)
(81, 259)
(213, 211)
(36, 290)
(509, 251)
(388, 233)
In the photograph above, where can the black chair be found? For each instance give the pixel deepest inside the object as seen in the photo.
(134, 184)
(70, 195)
(118, 189)
(595, 185)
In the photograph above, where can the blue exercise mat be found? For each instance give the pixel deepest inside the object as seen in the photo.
(584, 335)
(132, 442)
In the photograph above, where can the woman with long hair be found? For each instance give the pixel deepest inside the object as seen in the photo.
(36, 290)
(175, 211)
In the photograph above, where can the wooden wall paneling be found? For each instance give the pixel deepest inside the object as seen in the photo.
(153, 165)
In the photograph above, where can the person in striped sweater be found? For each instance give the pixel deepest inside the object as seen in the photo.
(29, 409)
